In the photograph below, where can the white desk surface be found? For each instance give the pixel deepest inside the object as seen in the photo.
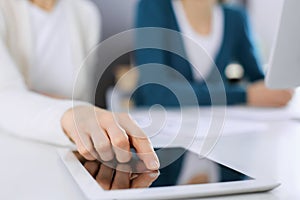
(31, 170)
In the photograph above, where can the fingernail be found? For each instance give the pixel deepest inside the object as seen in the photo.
(153, 175)
(154, 165)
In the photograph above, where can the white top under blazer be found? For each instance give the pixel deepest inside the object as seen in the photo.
(208, 44)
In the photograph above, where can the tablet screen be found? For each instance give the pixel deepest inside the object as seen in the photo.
(187, 169)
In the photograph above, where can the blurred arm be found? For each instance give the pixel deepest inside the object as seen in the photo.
(24, 113)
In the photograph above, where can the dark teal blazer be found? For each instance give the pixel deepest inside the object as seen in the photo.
(237, 47)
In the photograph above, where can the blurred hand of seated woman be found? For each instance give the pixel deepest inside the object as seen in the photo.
(259, 95)
(100, 134)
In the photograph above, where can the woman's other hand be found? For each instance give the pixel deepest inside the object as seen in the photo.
(259, 95)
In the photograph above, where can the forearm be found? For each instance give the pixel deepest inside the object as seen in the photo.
(33, 116)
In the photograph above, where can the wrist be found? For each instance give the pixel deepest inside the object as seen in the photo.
(66, 121)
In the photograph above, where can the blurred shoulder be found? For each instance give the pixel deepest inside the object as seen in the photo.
(235, 13)
(86, 7)
(6, 12)
(154, 4)
(91, 20)
(88, 12)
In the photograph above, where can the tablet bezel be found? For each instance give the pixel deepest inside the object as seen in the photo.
(92, 190)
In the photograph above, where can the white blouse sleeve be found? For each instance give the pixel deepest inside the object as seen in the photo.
(24, 113)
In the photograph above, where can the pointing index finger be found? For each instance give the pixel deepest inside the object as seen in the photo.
(146, 153)
(140, 142)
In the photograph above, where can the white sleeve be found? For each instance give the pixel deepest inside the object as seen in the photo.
(24, 113)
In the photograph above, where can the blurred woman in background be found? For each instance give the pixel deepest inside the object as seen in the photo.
(42, 44)
(224, 33)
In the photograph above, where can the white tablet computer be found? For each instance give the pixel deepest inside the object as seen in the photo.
(186, 176)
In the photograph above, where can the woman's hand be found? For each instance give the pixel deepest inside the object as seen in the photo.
(259, 95)
(99, 134)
